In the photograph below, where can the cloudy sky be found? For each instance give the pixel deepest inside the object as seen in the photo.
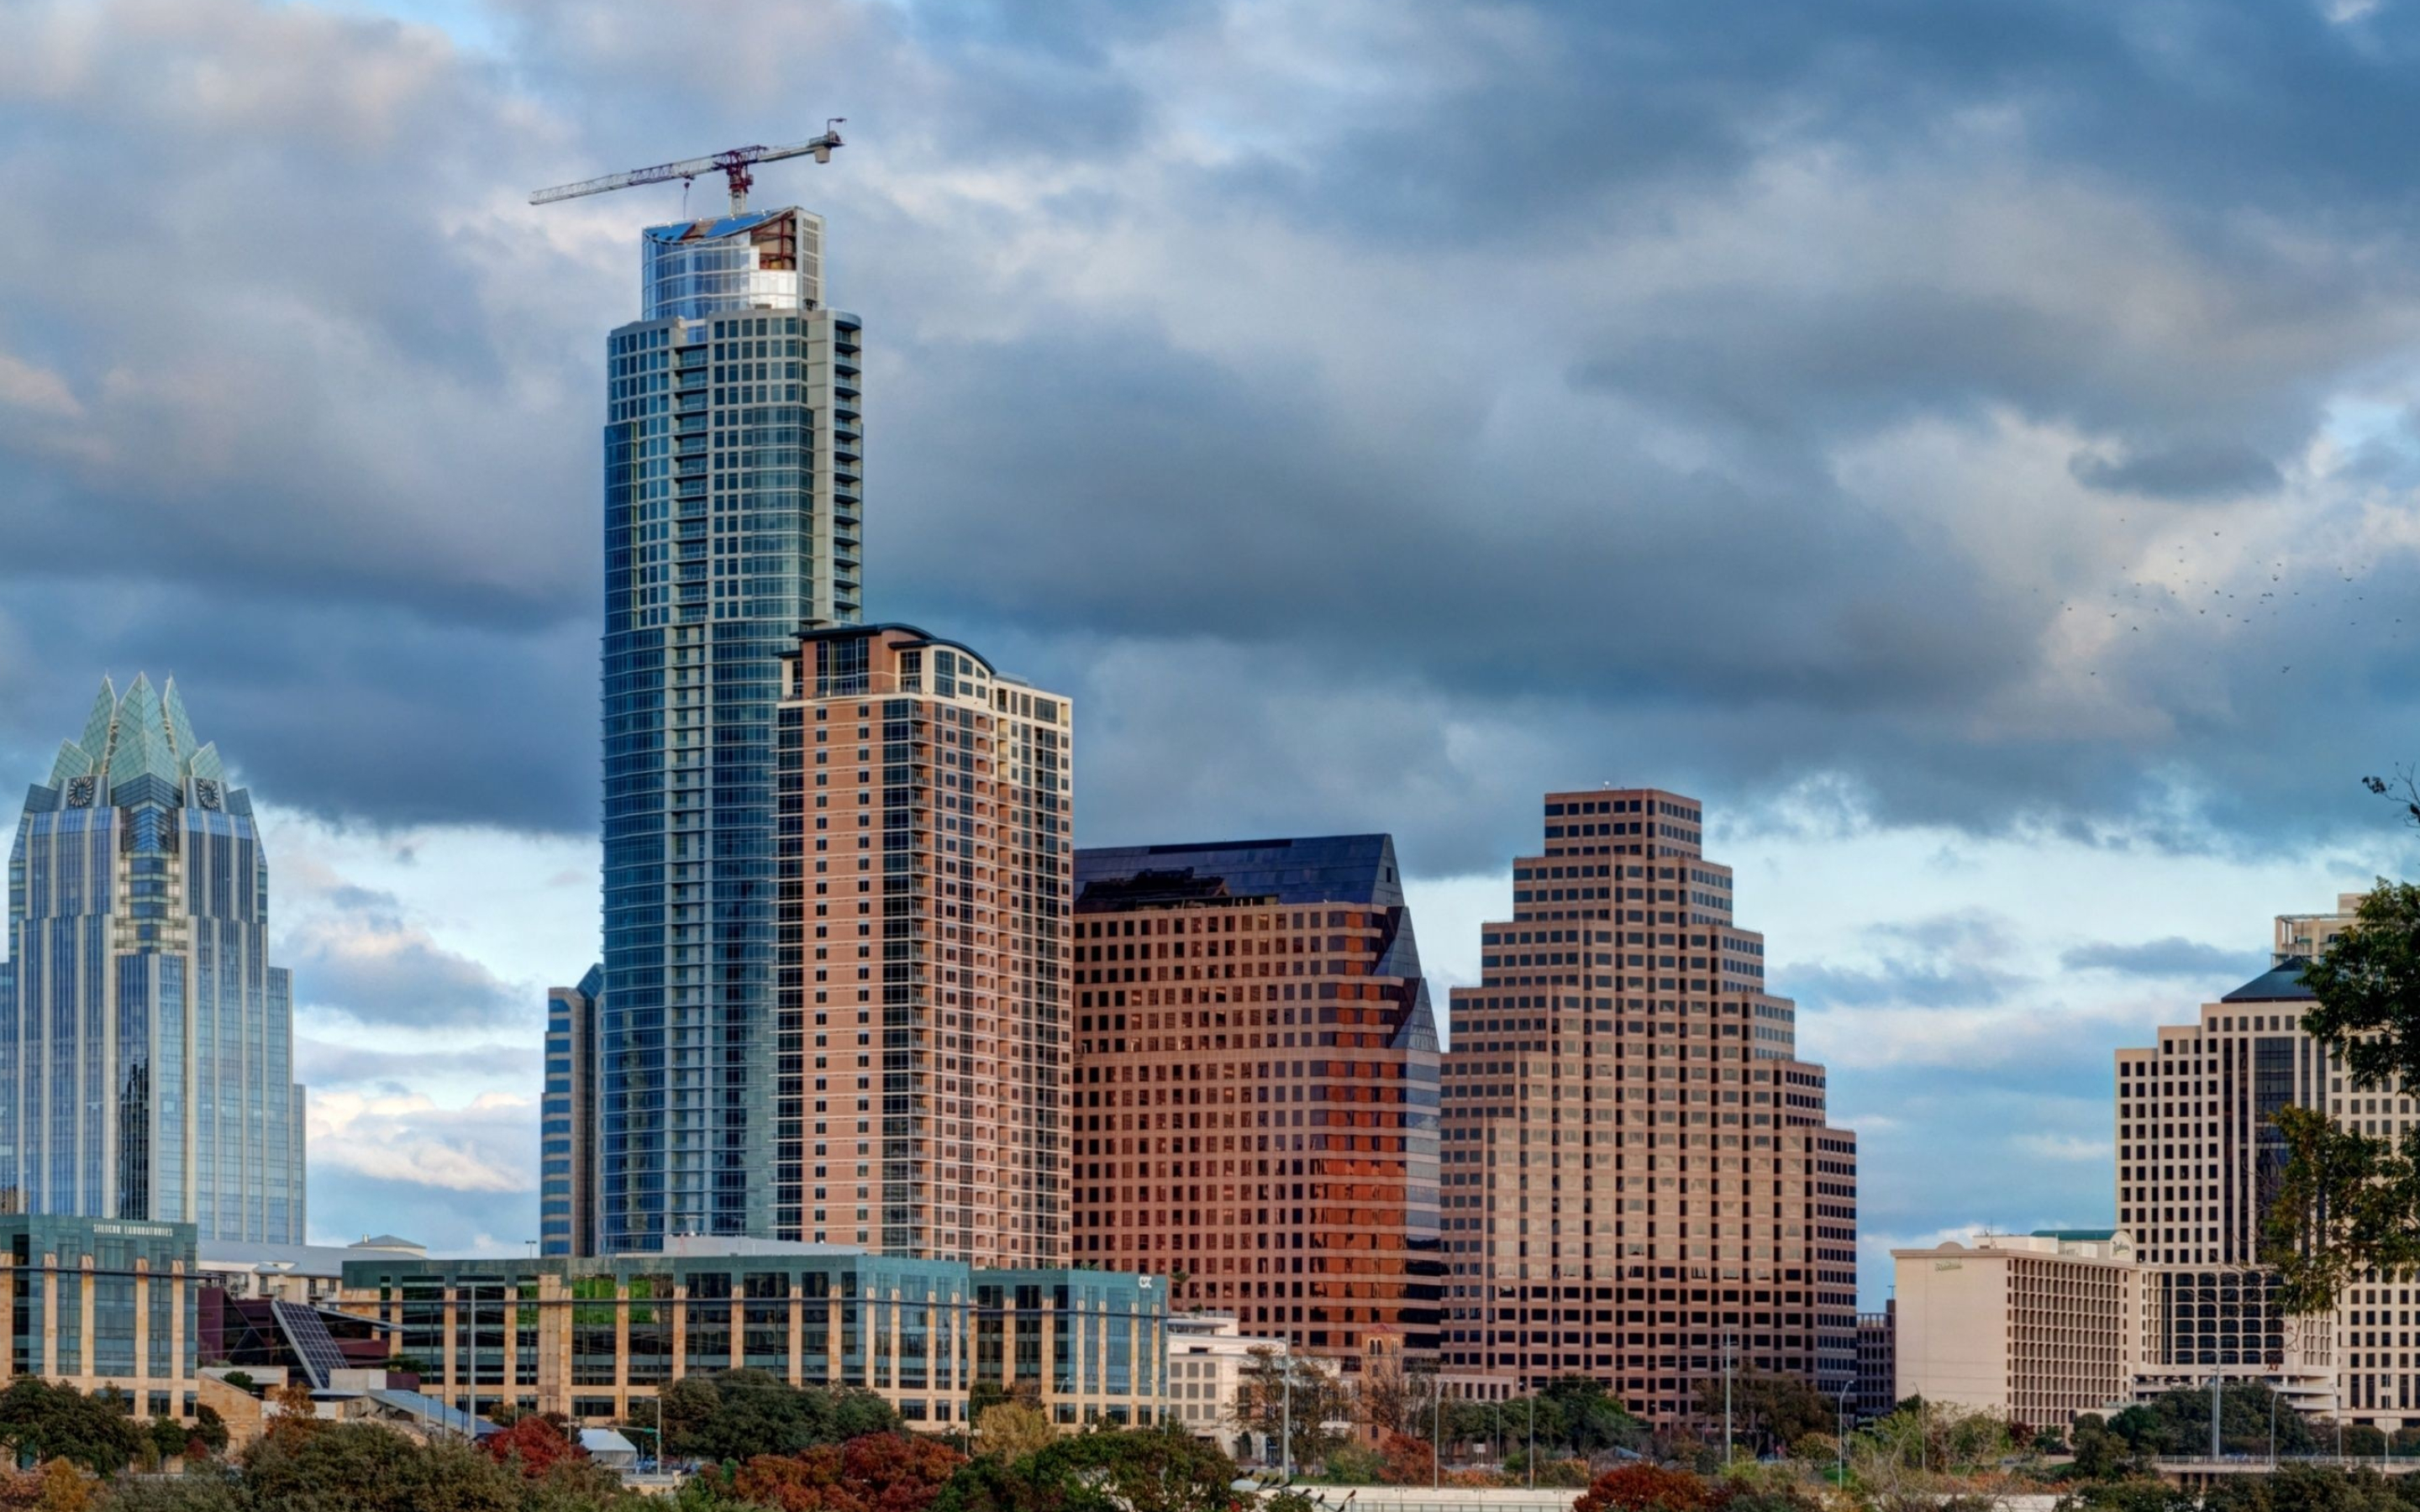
(1971, 447)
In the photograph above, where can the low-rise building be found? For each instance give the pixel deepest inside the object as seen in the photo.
(102, 1303)
(1207, 1356)
(598, 1338)
(2034, 1328)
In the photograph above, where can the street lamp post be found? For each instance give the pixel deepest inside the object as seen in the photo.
(1285, 1436)
(1436, 1430)
(1534, 1440)
(1726, 1401)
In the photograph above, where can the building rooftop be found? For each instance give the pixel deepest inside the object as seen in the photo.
(1338, 868)
(2280, 984)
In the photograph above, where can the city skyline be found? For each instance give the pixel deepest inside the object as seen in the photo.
(1186, 388)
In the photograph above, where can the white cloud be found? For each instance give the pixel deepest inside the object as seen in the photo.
(486, 1146)
(2062, 1146)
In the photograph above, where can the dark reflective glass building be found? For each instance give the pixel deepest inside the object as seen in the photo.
(731, 519)
(146, 1062)
(1255, 1103)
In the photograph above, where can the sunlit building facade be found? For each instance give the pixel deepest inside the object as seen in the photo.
(147, 1045)
(1639, 1177)
(1255, 1100)
(732, 518)
(925, 874)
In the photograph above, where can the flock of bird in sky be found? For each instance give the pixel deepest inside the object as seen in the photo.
(2145, 598)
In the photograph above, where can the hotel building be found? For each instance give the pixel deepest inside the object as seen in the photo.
(2031, 1328)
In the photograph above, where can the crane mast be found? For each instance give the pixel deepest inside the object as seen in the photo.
(733, 165)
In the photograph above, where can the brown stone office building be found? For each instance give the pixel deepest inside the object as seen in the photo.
(923, 867)
(1256, 1087)
(1637, 1169)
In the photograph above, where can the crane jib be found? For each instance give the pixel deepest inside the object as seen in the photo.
(734, 164)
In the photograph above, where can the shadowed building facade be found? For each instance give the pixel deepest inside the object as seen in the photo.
(925, 875)
(147, 1045)
(732, 518)
(1639, 1172)
(566, 1138)
(1256, 1086)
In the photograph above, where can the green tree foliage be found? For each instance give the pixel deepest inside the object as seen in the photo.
(211, 1492)
(1575, 1419)
(2175, 1425)
(738, 1414)
(1139, 1470)
(2349, 1204)
(1768, 1411)
(42, 1422)
(2309, 1488)
(366, 1467)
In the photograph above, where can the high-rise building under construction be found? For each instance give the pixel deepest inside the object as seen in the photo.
(732, 518)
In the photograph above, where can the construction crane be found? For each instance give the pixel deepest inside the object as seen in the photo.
(732, 165)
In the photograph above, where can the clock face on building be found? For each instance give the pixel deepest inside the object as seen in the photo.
(80, 792)
(206, 793)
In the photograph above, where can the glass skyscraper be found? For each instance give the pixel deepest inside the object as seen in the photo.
(146, 1062)
(731, 520)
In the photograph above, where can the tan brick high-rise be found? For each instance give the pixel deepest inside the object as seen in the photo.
(925, 877)
(1256, 1094)
(1636, 1165)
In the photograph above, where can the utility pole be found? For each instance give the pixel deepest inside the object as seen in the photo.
(1436, 1430)
(2214, 1388)
(1534, 1440)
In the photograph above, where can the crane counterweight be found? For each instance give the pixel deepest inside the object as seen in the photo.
(733, 165)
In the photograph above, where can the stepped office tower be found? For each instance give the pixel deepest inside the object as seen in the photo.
(147, 1063)
(1256, 1087)
(1637, 1168)
(925, 874)
(731, 519)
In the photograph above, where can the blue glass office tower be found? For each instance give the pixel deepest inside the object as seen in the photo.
(147, 1060)
(731, 520)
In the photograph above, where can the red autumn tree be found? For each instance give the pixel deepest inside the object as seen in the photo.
(898, 1472)
(878, 1472)
(1409, 1461)
(1644, 1487)
(535, 1443)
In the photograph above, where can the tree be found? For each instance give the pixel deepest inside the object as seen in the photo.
(1644, 1487)
(738, 1414)
(367, 1467)
(40, 1422)
(1767, 1409)
(66, 1487)
(1390, 1398)
(1161, 1469)
(1312, 1408)
(1409, 1461)
(1010, 1430)
(534, 1445)
(2349, 1204)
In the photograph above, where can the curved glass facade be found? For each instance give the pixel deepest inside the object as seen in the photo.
(732, 518)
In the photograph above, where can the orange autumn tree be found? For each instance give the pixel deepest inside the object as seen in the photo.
(1644, 1487)
(1409, 1461)
(877, 1473)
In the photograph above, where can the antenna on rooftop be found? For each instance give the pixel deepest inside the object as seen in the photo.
(733, 165)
